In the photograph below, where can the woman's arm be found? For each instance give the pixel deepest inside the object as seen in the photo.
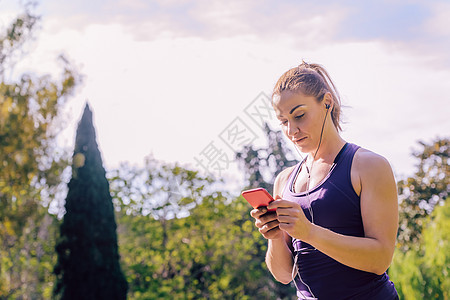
(279, 259)
(379, 210)
(279, 254)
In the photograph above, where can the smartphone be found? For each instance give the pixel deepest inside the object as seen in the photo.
(258, 197)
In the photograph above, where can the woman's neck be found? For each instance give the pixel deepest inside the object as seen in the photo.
(328, 148)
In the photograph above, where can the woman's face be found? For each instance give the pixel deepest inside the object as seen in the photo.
(301, 118)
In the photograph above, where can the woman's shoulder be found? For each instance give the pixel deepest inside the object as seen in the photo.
(281, 180)
(370, 163)
(369, 168)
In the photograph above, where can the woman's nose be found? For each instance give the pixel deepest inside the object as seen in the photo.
(292, 129)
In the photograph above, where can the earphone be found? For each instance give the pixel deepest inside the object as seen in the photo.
(327, 106)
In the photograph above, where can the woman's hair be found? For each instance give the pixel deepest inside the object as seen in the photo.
(310, 80)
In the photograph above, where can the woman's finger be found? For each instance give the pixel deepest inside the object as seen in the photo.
(269, 226)
(258, 212)
(274, 233)
(281, 203)
(286, 219)
(288, 211)
(266, 218)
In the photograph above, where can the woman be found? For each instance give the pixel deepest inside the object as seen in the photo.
(336, 217)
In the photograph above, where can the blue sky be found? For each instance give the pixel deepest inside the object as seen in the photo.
(168, 77)
(389, 20)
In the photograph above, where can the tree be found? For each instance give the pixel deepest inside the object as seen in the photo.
(31, 165)
(424, 273)
(182, 237)
(262, 165)
(420, 266)
(88, 258)
(436, 253)
(192, 240)
(419, 194)
(15, 36)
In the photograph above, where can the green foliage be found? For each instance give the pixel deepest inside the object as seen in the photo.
(88, 259)
(31, 166)
(424, 273)
(436, 257)
(26, 269)
(420, 193)
(406, 275)
(162, 190)
(210, 251)
(420, 268)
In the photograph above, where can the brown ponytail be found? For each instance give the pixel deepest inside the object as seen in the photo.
(310, 80)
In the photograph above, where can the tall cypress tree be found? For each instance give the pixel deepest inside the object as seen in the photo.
(88, 257)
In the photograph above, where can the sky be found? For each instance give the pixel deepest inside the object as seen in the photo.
(188, 81)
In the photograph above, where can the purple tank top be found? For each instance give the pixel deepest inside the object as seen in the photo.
(336, 206)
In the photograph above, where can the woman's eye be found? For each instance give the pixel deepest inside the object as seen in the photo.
(297, 118)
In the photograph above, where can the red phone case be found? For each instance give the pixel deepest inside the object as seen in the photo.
(258, 197)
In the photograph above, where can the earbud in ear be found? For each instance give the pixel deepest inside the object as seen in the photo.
(327, 106)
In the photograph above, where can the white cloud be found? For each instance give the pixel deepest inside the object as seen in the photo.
(306, 23)
(439, 24)
(131, 4)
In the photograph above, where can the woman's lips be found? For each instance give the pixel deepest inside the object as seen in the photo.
(299, 140)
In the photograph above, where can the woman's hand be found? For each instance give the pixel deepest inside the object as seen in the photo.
(267, 223)
(291, 218)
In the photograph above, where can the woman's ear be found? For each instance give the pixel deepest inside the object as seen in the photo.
(328, 101)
